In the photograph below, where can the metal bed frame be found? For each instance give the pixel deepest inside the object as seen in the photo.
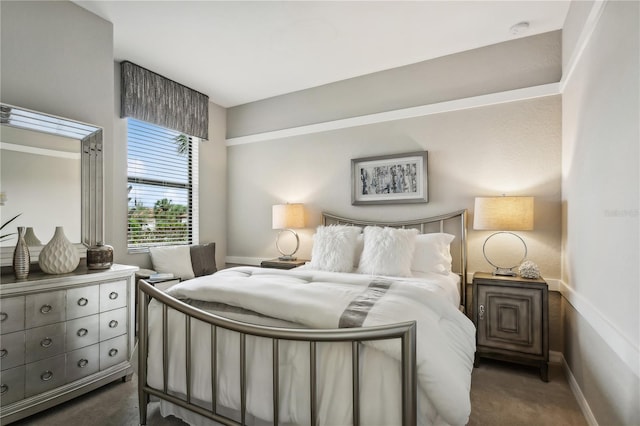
(406, 332)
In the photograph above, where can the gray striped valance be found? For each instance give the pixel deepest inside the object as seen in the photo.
(150, 97)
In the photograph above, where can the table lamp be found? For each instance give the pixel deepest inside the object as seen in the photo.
(284, 217)
(503, 214)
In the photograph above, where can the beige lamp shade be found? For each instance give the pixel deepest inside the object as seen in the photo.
(285, 216)
(503, 214)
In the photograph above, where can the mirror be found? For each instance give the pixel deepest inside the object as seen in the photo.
(51, 175)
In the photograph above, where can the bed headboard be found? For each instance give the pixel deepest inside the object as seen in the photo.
(454, 223)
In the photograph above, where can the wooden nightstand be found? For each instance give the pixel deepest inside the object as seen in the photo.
(511, 315)
(282, 264)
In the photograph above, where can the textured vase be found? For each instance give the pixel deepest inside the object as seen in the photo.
(59, 256)
(21, 257)
(31, 239)
(100, 256)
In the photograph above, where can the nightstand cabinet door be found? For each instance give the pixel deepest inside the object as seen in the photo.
(511, 315)
(510, 318)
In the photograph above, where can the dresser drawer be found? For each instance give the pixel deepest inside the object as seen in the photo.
(12, 385)
(83, 301)
(113, 295)
(113, 351)
(82, 362)
(83, 332)
(44, 375)
(113, 323)
(11, 314)
(45, 308)
(11, 350)
(44, 342)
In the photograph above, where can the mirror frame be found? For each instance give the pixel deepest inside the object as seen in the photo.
(92, 173)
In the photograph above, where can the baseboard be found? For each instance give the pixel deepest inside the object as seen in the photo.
(575, 389)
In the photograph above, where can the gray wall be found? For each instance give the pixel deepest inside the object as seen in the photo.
(58, 58)
(601, 187)
(510, 148)
(524, 62)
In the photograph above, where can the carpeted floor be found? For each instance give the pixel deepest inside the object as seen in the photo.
(501, 394)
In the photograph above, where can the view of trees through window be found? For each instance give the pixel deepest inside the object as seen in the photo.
(160, 186)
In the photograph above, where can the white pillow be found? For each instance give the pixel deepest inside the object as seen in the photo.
(334, 248)
(387, 251)
(432, 253)
(174, 260)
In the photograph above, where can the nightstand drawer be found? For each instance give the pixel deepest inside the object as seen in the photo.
(510, 319)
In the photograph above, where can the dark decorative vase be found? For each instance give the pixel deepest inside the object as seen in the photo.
(100, 256)
(21, 257)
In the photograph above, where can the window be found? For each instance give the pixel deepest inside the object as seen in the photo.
(162, 186)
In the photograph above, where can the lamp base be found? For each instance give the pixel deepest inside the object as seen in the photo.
(504, 272)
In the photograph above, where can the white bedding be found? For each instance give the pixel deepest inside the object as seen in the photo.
(316, 299)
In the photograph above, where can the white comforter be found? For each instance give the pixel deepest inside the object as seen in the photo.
(316, 299)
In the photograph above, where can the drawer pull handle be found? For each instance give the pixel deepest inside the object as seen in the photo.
(46, 376)
(481, 312)
(113, 295)
(4, 353)
(82, 332)
(3, 316)
(46, 342)
(113, 324)
(82, 301)
(45, 309)
(4, 389)
(113, 352)
(83, 363)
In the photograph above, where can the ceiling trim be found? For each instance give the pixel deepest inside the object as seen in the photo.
(585, 35)
(515, 95)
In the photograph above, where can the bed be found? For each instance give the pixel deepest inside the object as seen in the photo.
(372, 331)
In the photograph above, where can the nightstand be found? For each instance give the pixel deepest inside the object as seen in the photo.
(282, 264)
(511, 315)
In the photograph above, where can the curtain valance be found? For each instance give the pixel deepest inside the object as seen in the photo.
(150, 97)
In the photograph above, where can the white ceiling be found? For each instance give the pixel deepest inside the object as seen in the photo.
(242, 51)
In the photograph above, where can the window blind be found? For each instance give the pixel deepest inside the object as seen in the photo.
(162, 186)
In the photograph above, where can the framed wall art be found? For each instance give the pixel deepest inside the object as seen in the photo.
(390, 179)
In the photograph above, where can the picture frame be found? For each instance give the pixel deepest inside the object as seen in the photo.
(390, 179)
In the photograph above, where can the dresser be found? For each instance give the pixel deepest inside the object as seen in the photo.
(62, 336)
(511, 315)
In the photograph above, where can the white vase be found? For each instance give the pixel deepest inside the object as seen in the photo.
(31, 239)
(59, 256)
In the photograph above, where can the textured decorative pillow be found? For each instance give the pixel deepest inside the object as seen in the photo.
(334, 248)
(175, 260)
(387, 251)
(203, 259)
(432, 253)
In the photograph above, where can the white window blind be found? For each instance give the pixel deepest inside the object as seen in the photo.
(162, 186)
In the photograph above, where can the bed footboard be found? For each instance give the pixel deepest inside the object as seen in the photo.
(406, 332)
